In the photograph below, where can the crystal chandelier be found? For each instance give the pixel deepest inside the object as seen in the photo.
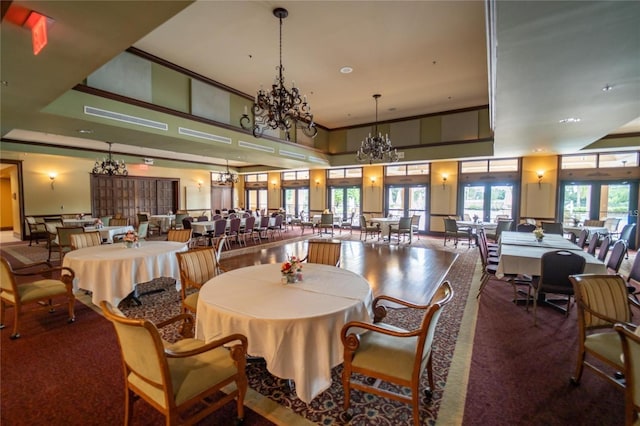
(110, 167)
(377, 148)
(279, 107)
(227, 177)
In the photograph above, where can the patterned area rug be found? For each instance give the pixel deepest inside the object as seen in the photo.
(326, 409)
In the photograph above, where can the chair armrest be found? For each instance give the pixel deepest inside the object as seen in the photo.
(237, 350)
(381, 311)
(604, 317)
(180, 317)
(351, 341)
(48, 271)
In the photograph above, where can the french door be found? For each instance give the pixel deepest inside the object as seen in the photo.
(599, 201)
(344, 201)
(406, 201)
(487, 201)
(296, 200)
(257, 199)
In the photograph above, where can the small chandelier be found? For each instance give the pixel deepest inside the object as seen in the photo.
(279, 107)
(109, 166)
(376, 148)
(227, 177)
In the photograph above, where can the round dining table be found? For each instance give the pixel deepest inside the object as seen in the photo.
(294, 327)
(111, 271)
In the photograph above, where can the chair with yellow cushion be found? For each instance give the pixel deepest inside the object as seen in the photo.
(43, 289)
(85, 239)
(631, 353)
(119, 221)
(61, 240)
(197, 266)
(179, 235)
(326, 252)
(602, 302)
(178, 378)
(393, 354)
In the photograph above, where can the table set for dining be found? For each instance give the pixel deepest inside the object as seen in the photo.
(112, 271)
(294, 327)
(521, 253)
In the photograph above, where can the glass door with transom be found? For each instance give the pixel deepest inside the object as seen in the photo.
(344, 202)
(406, 201)
(257, 200)
(296, 200)
(487, 201)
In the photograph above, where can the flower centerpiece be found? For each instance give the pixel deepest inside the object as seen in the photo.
(292, 269)
(97, 223)
(130, 239)
(538, 233)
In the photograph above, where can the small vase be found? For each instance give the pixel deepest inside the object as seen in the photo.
(128, 244)
(539, 239)
(291, 278)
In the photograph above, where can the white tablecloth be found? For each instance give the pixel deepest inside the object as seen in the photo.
(519, 259)
(79, 222)
(163, 221)
(385, 223)
(550, 241)
(108, 232)
(112, 271)
(477, 225)
(294, 327)
(577, 229)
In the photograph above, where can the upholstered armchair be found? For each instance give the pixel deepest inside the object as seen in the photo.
(326, 252)
(602, 302)
(179, 235)
(391, 353)
(37, 231)
(61, 240)
(40, 291)
(401, 230)
(197, 266)
(178, 378)
(367, 228)
(631, 353)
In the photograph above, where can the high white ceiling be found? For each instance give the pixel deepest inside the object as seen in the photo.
(549, 60)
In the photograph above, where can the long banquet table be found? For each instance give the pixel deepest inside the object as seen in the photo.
(111, 271)
(294, 327)
(522, 254)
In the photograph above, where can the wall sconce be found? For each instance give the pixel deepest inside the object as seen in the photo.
(52, 178)
(317, 183)
(199, 185)
(540, 176)
(444, 181)
(273, 183)
(373, 182)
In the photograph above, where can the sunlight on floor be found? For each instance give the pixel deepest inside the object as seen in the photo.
(7, 237)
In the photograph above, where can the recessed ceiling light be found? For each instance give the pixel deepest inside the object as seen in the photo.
(538, 150)
(607, 87)
(85, 131)
(346, 70)
(569, 120)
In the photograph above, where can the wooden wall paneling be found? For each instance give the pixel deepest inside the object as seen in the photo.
(145, 195)
(166, 196)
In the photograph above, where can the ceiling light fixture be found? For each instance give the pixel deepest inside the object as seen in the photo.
(279, 107)
(346, 70)
(570, 120)
(376, 148)
(607, 88)
(110, 167)
(227, 177)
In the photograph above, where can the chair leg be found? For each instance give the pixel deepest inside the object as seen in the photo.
(575, 379)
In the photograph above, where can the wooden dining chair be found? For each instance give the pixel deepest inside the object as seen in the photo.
(326, 252)
(631, 353)
(617, 256)
(602, 302)
(179, 235)
(393, 354)
(85, 239)
(182, 380)
(61, 240)
(41, 290)
(197, 266)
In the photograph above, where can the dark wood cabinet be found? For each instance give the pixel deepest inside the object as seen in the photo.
(129, 195)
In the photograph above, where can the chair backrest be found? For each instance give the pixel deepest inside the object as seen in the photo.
(249, 223)
(593, 222)
(415, 221)
(525, 227)
(557, 266)
(404, 224)
(326, 219)
(143, 230)
(216, 217)
(106, 220)
(141, 348)
(631, 354)
(197, 266)
(450, 225)
(179, 235)
(617, 256)
(203, 218)
(611, 223)
(606, 295)
(7, 280)
(582, 239)
(143, 217)
(553, 228)
(234, 225)
(219, 227)
(503, 225)
(604, 248)
(264, 222)
(246, 215)
(442, 296)
(279, 219)
(593, 243)
(122, 221)
(627, 231)
(186, 222)
(220, 243)
(634, 273)
(85, 239)
(326, 252)
(65, 232)
(466, 217)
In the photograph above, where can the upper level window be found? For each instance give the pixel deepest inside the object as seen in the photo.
(407, 170)
(592, 161)
(355, 172)
(299, 175)
(484, 166)
(259, 177)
